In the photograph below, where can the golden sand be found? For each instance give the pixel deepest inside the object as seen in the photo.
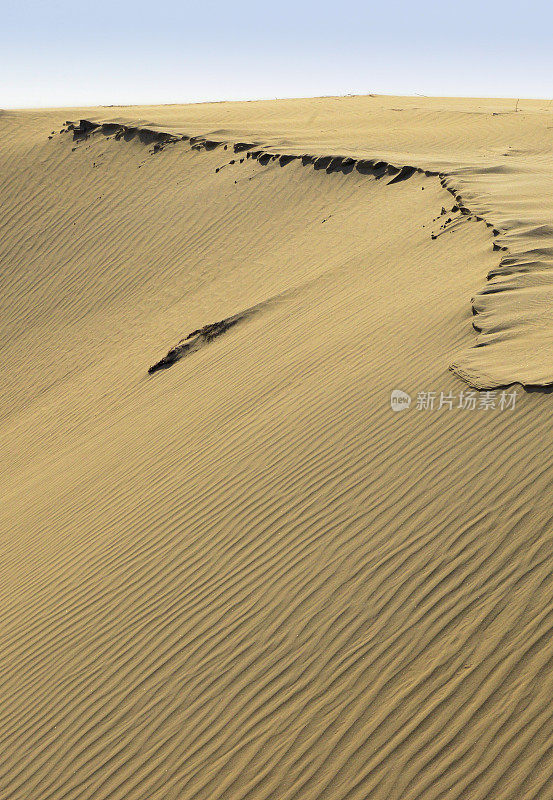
(243, 576)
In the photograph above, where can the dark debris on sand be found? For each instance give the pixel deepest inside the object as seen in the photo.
(195, 340)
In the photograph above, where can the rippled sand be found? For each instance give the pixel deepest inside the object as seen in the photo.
(243, 575)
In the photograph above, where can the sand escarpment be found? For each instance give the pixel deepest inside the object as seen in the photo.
(149, 135)
(376, 168)
(492, 153)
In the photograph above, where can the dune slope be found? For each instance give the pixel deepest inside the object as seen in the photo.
(244, 575)
(493, 154)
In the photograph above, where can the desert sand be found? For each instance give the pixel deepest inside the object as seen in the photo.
(229, 570)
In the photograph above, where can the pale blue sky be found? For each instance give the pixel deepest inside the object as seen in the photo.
(89, 53)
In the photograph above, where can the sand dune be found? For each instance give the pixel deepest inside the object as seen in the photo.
(244, 575)
(495, 158)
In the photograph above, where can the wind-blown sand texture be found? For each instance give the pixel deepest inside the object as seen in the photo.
(228, 569)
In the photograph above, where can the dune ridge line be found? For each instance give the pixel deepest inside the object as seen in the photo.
(376, 167)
